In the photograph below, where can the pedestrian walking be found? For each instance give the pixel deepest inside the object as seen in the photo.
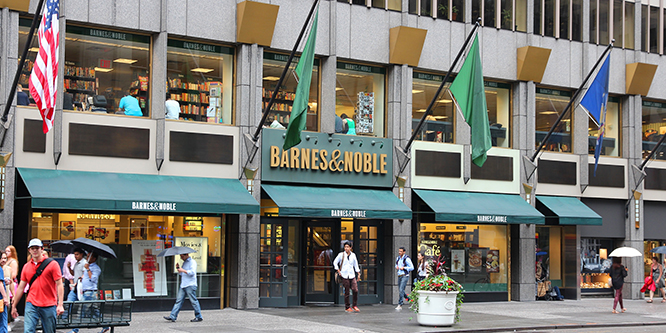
(618, 273)
(346, 265)
(45, 296)
(188, 286)
(422, 267)
(4, 298)
(89, 283)
(658, 278)
(76, 270)
(403, 265)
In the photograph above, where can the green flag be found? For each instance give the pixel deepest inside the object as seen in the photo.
(299, 111)
(470, 95)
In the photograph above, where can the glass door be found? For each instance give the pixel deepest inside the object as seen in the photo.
(369, 251)
(319, 255)
(273, 282)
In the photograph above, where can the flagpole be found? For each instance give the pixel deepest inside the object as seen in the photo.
(654, 151)
(284, 73)
(571, 101)
(439, 90)
(12, 91)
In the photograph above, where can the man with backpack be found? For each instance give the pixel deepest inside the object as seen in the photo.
(45, 296)
(403, 266)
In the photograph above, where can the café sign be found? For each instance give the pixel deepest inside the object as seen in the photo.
(328, 159)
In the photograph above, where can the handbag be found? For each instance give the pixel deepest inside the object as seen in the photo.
(338, 278)
(610, 282)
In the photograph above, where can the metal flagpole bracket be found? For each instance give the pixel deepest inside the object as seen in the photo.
(639, 175)
(529, 167)
(403, 157)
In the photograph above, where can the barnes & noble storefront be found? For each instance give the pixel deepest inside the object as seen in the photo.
(137, 216)
(327, 190)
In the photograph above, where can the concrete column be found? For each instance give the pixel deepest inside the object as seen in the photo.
(8, 65)
(158, 89)
(57, 119)
(632, 150)
(328, 76)
(244, 235)
(523, 242)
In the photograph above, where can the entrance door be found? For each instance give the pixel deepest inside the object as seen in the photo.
(366, 237)
(319, 255)
(273, 282)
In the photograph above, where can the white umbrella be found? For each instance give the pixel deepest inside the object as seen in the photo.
(625, 251)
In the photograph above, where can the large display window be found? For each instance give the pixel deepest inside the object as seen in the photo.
(475, 255)
(281, 111)
(595, 264)
(360, 98)
(550, 103)
(137, 239)
(548, 266)
(654, 127)
(612, 130)
(200, 80)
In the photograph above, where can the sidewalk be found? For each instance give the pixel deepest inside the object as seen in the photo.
(476, 317)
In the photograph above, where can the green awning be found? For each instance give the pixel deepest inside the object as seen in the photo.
(101, 191)
(302, 201)
(473, 207)
(566, 211)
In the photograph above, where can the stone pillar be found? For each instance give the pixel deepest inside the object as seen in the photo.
(399, 121)
(8, 66)
(244, 234)
(158, 78)
(632, 150)
(523, 242)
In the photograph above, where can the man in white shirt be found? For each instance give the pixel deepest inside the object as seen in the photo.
(172, 108)
(188, 287)
(347, 266)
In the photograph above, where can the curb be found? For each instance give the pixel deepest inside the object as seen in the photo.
(551, 327)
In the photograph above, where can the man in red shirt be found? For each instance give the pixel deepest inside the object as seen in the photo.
(44, 294)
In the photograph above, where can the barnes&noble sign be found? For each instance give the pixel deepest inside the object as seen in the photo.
(327, 159)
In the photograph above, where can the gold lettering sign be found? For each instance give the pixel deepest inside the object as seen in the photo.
(333, 161)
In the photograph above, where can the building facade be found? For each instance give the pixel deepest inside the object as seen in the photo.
(267, 221)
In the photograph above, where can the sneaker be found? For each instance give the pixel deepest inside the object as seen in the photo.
(399, 307)
(168, 318)
(350, 310)
(195, 320)
(356, 309)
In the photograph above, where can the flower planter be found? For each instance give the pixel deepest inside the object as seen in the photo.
(436, 308)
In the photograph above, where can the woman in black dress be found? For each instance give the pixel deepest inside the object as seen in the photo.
(618, 273)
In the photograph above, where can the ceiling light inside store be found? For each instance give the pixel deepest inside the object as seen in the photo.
(103, 70)
(548, 112)
(444, 101)
(421, 110)
(338, 88)
(271, 78)
(202, 70)
(416, 91)
(33, 49)
(125, 61)
(441, 117)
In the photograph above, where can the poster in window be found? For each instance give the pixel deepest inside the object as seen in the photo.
(200, 244)
(148, 269)
(67, 230)
(475, 259)
(365, 112)
(458, 261)
(492, 261)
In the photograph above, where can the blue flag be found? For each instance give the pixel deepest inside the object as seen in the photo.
(595, 102)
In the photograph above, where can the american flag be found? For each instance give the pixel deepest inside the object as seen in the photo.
(44, 76)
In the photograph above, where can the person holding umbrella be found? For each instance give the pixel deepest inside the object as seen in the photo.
(188, 283)
(89, 282)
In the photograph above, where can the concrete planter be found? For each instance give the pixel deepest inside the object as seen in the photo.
(437, 308)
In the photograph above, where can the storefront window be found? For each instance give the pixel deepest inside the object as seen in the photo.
(498, 100)
(476, 255)
(113, 65)
(549, 104)
(281, 111)
(200, 80)
(549, 255)
(360, 97)
(611, 143)
(136, 240)
(24, 30)
(438, 127)
(595, 264)
(654, 127)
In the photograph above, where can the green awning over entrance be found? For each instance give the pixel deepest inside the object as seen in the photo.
(302, 201)
(567, 210)
(473, 207)
(100, 191)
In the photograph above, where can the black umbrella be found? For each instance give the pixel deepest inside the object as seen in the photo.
(63, 246)
(94, 246)
(176, 250)
(659, 249)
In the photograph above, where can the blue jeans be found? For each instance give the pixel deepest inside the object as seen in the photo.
(3, 320)
(71, 297)
(402, 284)
(46, 314)
(85, 310)
(191, 293)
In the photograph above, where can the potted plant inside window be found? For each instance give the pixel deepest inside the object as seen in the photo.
(445, 11)
(437, 298)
